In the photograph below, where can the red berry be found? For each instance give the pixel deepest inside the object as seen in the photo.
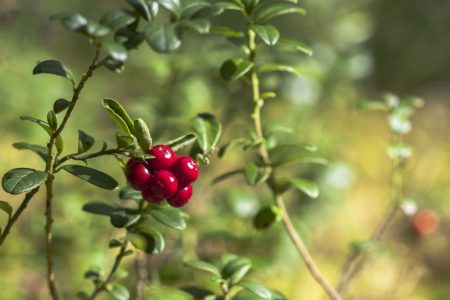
(163, 158)
(137, 173)
(425, 222)
(185, 169)
(182, 196)
(151, 197)
(163, 184)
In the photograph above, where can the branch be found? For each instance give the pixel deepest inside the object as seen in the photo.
(76, 156)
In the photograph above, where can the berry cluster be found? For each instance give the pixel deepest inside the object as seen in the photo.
(165, 176)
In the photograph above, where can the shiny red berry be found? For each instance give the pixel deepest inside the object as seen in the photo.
(185, 169)
(181, 197)
(163, 158)
(151, 197)
(137, 173)
(163, 184)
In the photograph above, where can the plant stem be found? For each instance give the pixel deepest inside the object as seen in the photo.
(262, 150)
(50, 169)
(101, 287)
(76, 156)
(16, 215)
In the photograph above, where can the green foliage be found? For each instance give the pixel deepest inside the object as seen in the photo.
(22, 180)
(92, 176)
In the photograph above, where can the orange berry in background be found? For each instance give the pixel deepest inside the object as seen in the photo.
(425, 222)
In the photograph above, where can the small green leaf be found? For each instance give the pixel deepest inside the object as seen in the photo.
(207, 12)
(119, 115)
(236, 269)
(22, 180)
(254, 174)
(306, 186)
(113, 64)
(235, 68)
(266, 216)
(53, 67)
(171, 217)
(297, 45)
(94, 29)
(74, 22)
(360, 246)
(121, 219)
(6, 208)
(163, 38)
(300, 153)
(129, 38)
(93, 273)
(118, 291)
(116, 18)
(227, 175)
(182, 142)
(60, 105)
(227, 32)
(228, 5)
(208, 131)
(85, 141)
(257, 289)
(200, 25)
(278, 68)
(100, 208)
(116, 50)
(48, 129)
(204, 266)
(269, 34)
(113, 243)
(146, 9)
(92, 176)
(142, 134)
(151, 240)
(52, 120)
(196, 292)
(39, 150)
(269, 11)
(173, 6)
(128, 193)
(124, 141)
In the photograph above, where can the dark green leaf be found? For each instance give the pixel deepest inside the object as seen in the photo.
(228, 5)
(82, 295)
(114, 243)
(151, 240)
(53, 67)
(129, 38)
(116, 18)
(124, 141)
(168, 216)
(113, 64)
(201, 26)
(227, 175)
(85, 141)
(128, 193)
(182, 142)
(163, 38)
(116, 50)
(142, 134)
(235, 68)
(254, 174)
(257, 289)
(146, 9)
(22, 180)
(204, 266)
(52, 120)
(208, 12)
(60, 105)
(92, 274)
(121, 219)
(266, 12)
(196, 292)
(268, 33)
(173, 6)
(46, 127)
(100, 208)
(190, 7)
(118, 291)
(297, 45)
(236, 269)
(6, 208)
(278, 68)
(266, 216)
(306, 186)
(39, 150)
(119, 115)
(93, 176)
(208, 131)
(94, 29)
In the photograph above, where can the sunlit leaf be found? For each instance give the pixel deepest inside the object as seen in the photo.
(22, 180)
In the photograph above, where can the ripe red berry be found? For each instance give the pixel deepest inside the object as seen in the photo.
(185, 169)
(137, 173)
(425, 222)
(163, 158)
(151, 197)
(181, 197)
(163, 184)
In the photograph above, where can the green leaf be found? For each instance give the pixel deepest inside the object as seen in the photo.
(121, 219)
(142, 134)
(48, 129)
(204, 266)
(266, 216)
(119, 115)
(146, 9)
(227, 175)
(278, 68)
(208, 131)
(128, 193)
(227, 32)
(297, 45)
(124, 141)
(266, 12)
(254, 174)
(208, 12)
(116, 50)
(100, 208)
(269, 34)
(306, 186)
(6, 208)
(173, 6)
(236, 269)
(85, 141)
(235, 68)
(22, 180)
(152, 242)
(257, 289)
(53, 67)
(94, 29)
(60, 105)
(129, 38)
(197, 293)
(52, 120)
(182, 142)
(228, 5)
(163, 38)
(118, 291)
(113, 64)
(171, 217)
(113, 243)
(39, 150)
(200, 25)
(92, 176)
(300, 153)
(116, 18)
(74, 22)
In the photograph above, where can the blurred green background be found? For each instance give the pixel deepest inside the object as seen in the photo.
(362, 48)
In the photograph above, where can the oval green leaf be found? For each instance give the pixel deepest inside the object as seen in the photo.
(39, 150)
(208, 131)
(119, 115)
(116, 18)
(257, 289)
(163, 38)
(92, 176)
(22, 180)
(267, 33)
(270, 10)
(100, 208)
(308, 187)
(204, 266)
(235, 68)
(171, 217)
(53, 67)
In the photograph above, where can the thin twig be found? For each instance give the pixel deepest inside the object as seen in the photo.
(76, 156)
